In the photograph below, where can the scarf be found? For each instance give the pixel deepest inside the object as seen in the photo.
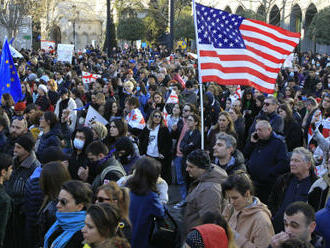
(70, 222)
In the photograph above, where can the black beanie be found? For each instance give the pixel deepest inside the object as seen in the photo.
(26, 141)
(199, 158)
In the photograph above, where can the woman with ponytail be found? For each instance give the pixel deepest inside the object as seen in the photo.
(111, 193)
(102, 224)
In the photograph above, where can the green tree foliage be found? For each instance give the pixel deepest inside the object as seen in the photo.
(184, 26)
(319, 29)
(131, 28)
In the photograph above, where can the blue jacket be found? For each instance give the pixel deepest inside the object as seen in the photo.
(33, 197)
(52, 138)
(322, 223)
(142, 209)
(266, 160)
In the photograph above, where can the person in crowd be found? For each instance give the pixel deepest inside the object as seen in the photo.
(126, 153)
(7, 104)
(73, 200)
(226, 155)
(134, 117)
(17, 129)
(249, 108)
(34, 121)
(29, 111)
(52, 134)
(3, 130)
(207, 235)
(26, 93)
(52, 177)
(322, 223)
(299, 223)
(249, 218)
(188, 94)
(43, 101)
(111, 193)
(224, 124)
(239, 124)
(267, 158)
(205, 191)
(100, 132)
(78, 160)
(318, 193)
(101, 225)
(178, 132)
(112, 111)
(174, 117)
(311, 108)
(144, 200)
(155, 142)
(19, 108)
(66, 103)
(292, 130)
(118, 128)
(292, 186)
(25, 162)
(52, 92)
(103, 165)
(6, 168)
(34, 196)
(269, 113)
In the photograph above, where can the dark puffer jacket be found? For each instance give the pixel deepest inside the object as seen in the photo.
(236, 163)
(52, 138)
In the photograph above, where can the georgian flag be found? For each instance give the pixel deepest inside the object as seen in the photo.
(89, 77)
(135, 119)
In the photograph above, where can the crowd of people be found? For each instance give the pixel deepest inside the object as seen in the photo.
(261, 181)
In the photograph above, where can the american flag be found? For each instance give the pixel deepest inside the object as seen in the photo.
(234, 50)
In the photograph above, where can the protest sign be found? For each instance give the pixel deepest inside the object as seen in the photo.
(48, 45)
(93, 115)
(65, 52)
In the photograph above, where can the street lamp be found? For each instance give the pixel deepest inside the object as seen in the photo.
(75, 13)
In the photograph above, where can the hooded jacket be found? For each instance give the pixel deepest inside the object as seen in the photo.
(205, 196)
(252, 225)
(236, 163)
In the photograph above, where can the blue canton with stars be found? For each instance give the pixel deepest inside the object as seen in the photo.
(218, 28)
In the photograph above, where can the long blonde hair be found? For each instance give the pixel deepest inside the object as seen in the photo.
(114, 192)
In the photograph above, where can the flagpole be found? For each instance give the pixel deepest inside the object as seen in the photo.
(199, 78)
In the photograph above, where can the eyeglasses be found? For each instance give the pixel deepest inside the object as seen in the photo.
(157, 116)
(63, 201)
(102, 199)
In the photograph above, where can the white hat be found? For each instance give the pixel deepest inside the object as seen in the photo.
(43, 88)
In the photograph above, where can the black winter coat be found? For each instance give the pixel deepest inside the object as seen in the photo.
(190, 142)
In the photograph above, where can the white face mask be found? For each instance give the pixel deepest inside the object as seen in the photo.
(78, 144)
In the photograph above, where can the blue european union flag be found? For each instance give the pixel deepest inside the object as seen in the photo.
(9, 80)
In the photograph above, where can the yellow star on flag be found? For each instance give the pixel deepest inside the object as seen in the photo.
(11, 67)
(13, 72)
(7, 61)
(12, 79)
(8, 85)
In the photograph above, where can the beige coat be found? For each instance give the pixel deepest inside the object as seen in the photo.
(252, 225)
(205, 196)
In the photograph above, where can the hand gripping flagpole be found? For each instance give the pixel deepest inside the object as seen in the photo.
(199, 78)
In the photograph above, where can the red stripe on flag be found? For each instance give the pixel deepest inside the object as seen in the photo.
(238, 58)
(278, 29)
(270, 35)
(249, 70)
(266, 44)
(265, 55)
(247, 82)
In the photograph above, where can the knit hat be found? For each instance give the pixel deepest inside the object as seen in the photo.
(213, 236)
(53, 153)
(194, 239)
(43, 88)
(199, 158)
(20, 106)
(26, 141)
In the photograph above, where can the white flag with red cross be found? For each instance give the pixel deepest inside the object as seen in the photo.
(89, 77)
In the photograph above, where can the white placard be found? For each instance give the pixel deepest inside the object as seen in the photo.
(288, 62)
(48, 45)
(15, 53)
(93, 115)
(65, 52)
